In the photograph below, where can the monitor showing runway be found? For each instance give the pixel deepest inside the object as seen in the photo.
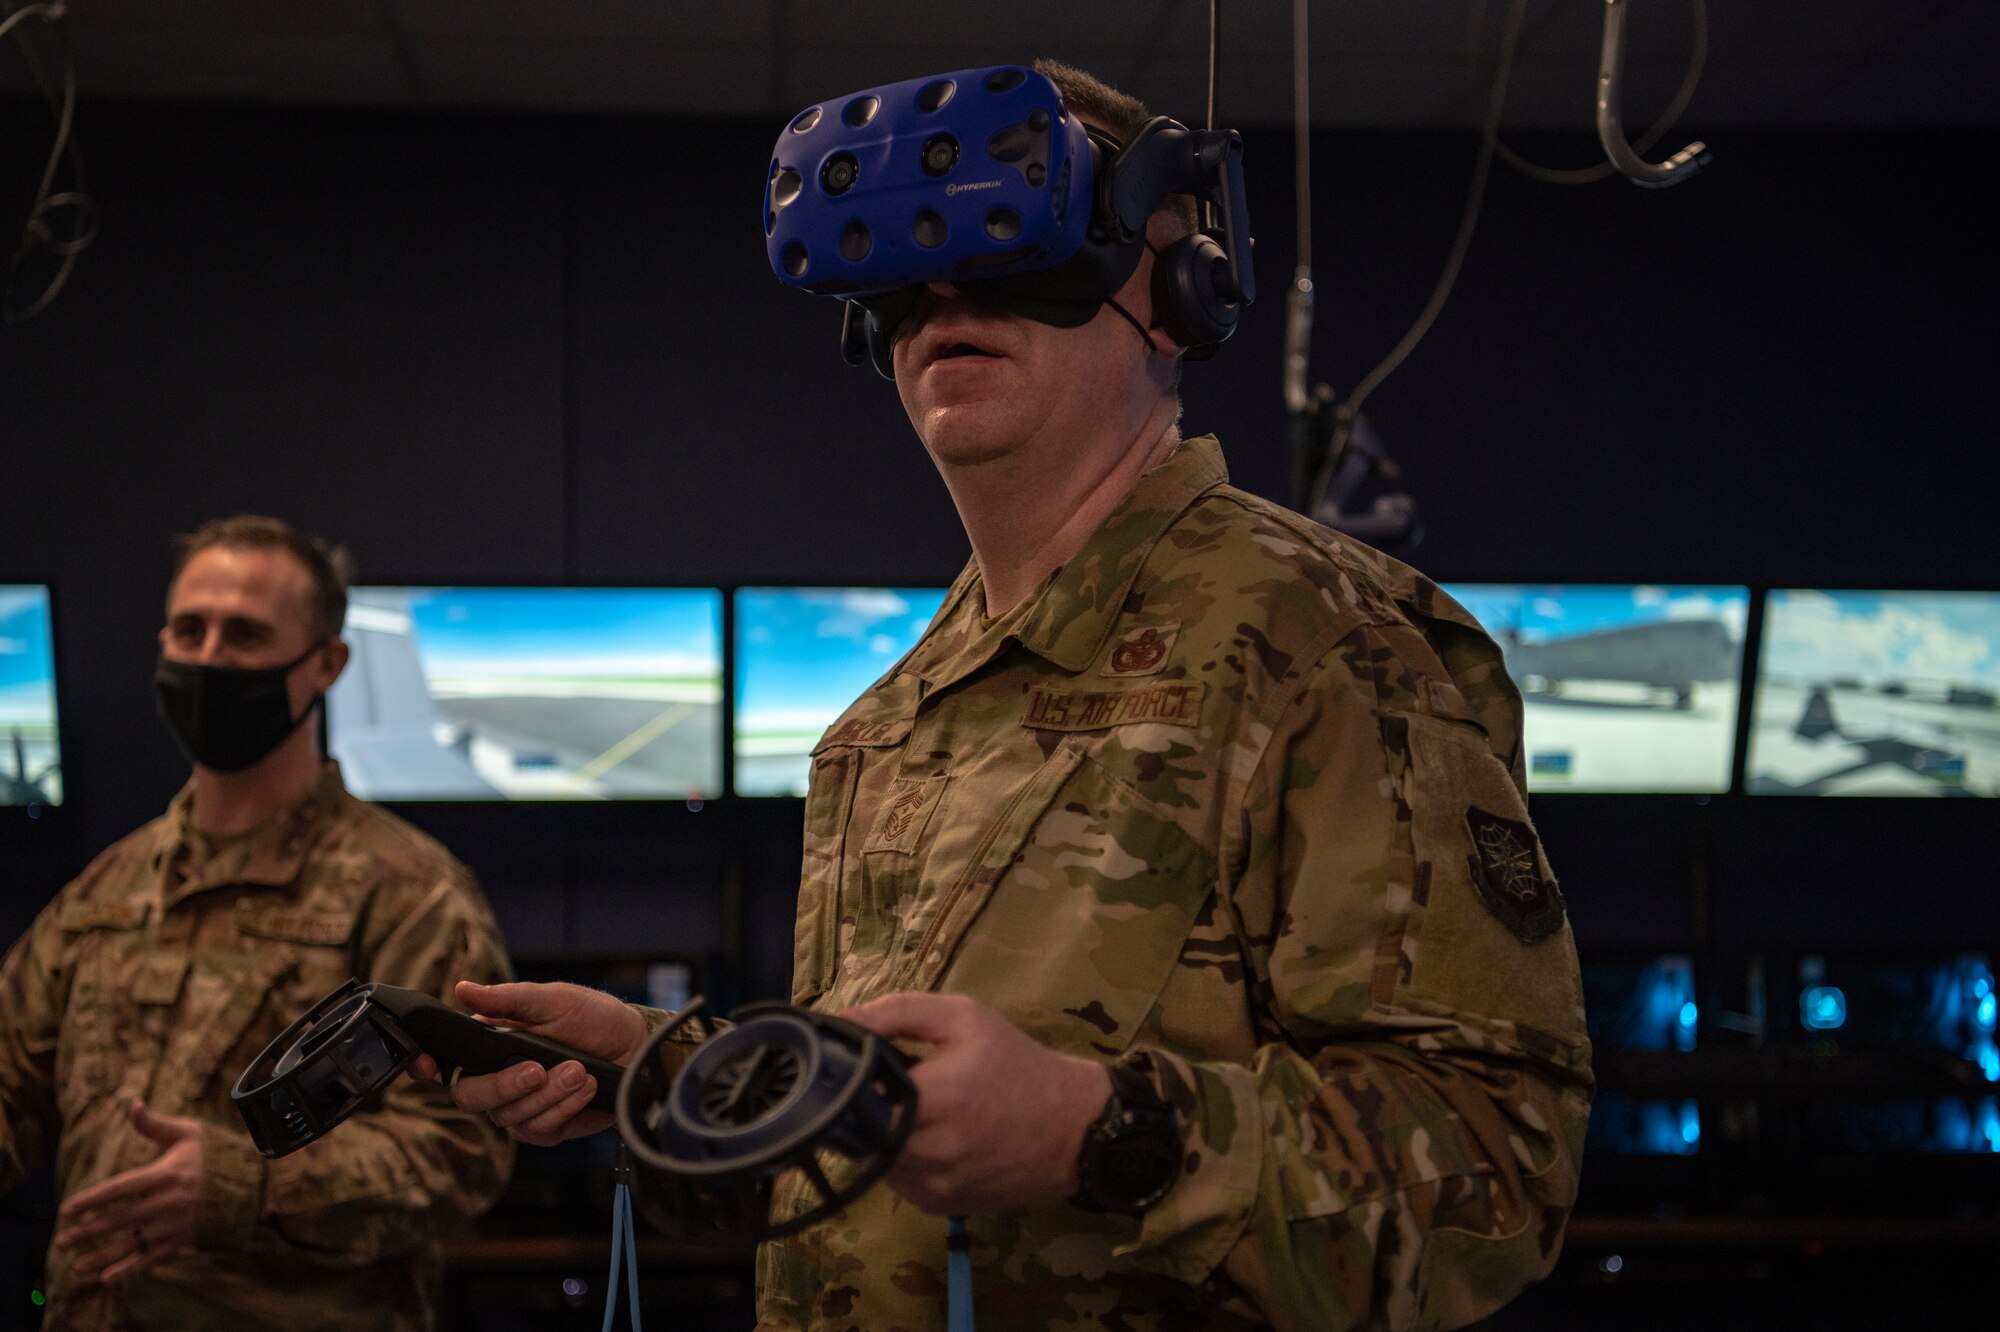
(30, 755)
(1625, 688)
(1877, 693)
(802, 655)
(531, 694)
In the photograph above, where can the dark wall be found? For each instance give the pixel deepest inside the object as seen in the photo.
(510, 349)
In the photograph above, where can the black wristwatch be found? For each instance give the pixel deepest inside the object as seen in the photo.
(1132, 1154)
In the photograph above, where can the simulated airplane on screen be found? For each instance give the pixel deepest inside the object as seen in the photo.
(531, 732)
(1899, 738)
(19, 788)
(1674, 655)
(388, 728)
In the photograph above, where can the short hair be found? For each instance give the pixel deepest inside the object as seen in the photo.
(327, 565)
(1118, 112)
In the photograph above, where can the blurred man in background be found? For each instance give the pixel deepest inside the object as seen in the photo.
(150, 982)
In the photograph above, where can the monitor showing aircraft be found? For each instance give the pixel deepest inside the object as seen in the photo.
(1625, 688)
(1877, 693)
(30, 756)
(464, 693)
(802, 655)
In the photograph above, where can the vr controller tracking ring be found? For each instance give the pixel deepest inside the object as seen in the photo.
(779, 1089)
(320, 1069)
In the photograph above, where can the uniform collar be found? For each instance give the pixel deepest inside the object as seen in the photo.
(1069, 619)
(270, 854)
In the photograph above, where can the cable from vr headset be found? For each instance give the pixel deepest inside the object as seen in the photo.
(624, 1244)
(984, 178)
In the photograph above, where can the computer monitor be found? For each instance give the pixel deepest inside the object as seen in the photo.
(1904, 1006)
(30, 752)
(1625, 687)
(802, 655)
(530, 693)
(1877, 693)
(1641, 1003)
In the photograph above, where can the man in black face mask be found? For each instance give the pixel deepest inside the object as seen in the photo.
(232, 690)
(154, 978)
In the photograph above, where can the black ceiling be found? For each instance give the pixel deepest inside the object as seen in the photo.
(1777, 63)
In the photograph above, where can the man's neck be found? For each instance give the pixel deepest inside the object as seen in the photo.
(1027, 513)
(227, 803)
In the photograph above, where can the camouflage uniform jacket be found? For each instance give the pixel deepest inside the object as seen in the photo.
(1239, 801)
(161, 974)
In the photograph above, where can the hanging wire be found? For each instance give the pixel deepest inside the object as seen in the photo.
(1299, 399)
(40, 232)
(1697, 60)
(1468, 220)
(1214, 59)
(1214, 48)
(1302, 132)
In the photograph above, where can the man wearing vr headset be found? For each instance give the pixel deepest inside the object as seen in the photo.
(148, 983)
(1190, 848)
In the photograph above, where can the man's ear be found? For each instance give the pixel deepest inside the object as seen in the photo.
(332, 661)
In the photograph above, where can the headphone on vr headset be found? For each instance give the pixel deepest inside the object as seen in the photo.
(872, 195)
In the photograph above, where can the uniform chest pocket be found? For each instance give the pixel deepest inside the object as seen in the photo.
(285, 959)
(101, 1024)
(1090, 904)
(293, 957)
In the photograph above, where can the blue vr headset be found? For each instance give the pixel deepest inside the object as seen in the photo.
(985, 179)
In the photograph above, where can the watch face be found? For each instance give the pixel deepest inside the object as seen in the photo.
(1132, 1154)
(1137, 1171)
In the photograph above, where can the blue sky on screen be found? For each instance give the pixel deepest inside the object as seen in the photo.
(1940, 637)
(568, 630)
(27, 668)
(1541, 613)
(804, 654)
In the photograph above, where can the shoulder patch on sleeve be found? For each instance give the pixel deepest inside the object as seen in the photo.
(1507, 870)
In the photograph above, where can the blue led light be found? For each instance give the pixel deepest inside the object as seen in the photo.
(1690, 1123)
(1823, 1008)
(1989, 1061)
(1984, 1014)
(1688, 1013)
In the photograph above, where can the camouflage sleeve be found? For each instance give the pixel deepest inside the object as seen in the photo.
(31, 1006)
(382, 1184)
(1402, 1150)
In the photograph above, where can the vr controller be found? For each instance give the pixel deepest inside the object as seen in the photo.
(984, 178)
(351, 1045)
(777, 1089)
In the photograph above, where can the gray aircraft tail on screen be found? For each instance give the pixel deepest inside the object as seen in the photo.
(1665, 654)
(388, 729)
(18, 788)
(1890, 738)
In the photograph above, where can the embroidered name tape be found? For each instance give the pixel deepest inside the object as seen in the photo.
(859, 732)
(1171, 702)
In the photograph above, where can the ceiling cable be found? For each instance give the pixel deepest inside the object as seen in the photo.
(41, 233)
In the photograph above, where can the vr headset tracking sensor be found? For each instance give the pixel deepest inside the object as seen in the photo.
(984, 178)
